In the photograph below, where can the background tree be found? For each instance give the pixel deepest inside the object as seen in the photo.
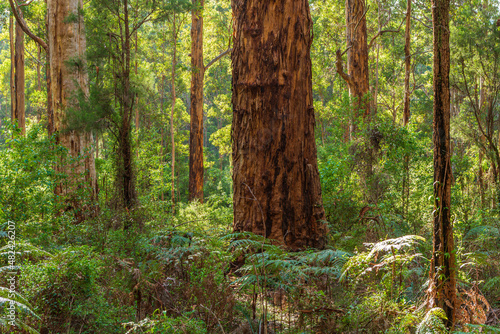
(17, 68)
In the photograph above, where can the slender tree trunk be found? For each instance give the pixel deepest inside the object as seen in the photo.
(12, 44)
(277, 190)
(20, 110)
(172, 132)
(39, 79)
(406, 110)
(375, 92)
(162, 98)
(137, 125)
(66, 53)
(197, 77)
(483, 142)
(442, 288)
(357, 55)
(126, 175)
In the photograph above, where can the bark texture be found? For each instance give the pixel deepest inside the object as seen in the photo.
(12, 47)
(277, 190)
(406, 110)
(66, 46)
(443, 268)
(172, 127)
(18, 111)
(197, 76)
(20, 107)
(357, 55)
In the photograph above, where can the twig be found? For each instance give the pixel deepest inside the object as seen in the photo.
(206, 308)
(213, 61)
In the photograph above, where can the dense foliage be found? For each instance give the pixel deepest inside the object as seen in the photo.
(102, 268)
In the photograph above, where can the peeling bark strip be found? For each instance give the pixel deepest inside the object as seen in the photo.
(277, 191)
(196, 133)
(66, 47)
(443, 268)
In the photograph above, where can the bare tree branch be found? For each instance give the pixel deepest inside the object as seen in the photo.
(24, 26)
(213, 61)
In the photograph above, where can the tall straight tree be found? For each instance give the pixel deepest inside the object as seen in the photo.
(198, 69)
(66, 44)
(406, 109)
(18, 106)
(357, 76)
(442, 287)
(196, 132)
(65, 77)
(277, 191)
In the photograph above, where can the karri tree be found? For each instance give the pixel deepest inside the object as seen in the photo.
(66, 77)
(277, 190)
(442, 288)
(67, 45)
(17, 75)
(198, 69)
(357, 76)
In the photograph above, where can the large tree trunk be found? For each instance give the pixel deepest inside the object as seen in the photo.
(443, 267)
(277, 190)
(197, 76)
(357, 55)
(66, 46)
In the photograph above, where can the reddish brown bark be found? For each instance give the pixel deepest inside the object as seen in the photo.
(66, 46)
(443, 267)
(357, 55)
(197, 75)
(20, 108)
(12, 47)
(277, 190)
(17, 75)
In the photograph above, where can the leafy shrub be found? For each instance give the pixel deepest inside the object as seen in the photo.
(66, 294)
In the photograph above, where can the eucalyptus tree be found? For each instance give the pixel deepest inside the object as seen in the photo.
(198, 68)
(66, 75)
(277, 191)
(18, 108)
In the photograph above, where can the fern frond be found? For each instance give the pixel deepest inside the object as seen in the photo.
(433, 322)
